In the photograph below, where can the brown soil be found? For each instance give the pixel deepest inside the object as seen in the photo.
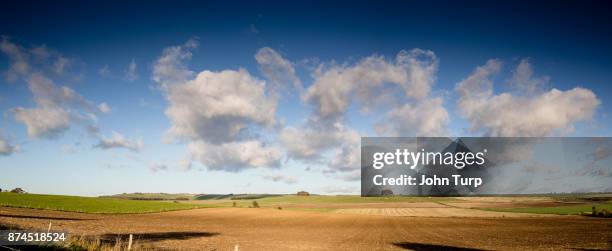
(272, 229)
(367, 205)
(437, 212)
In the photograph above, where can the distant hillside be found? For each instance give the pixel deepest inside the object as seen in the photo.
(213, 197)
(187, 196)
(233, 196)
(153, 196)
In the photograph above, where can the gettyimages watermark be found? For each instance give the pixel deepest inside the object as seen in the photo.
(440, 166)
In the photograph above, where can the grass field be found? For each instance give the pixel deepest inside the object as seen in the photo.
(339, 199)
(309, 203)
(563, 210)
(314, 202)
(90, 204)
(152, 196)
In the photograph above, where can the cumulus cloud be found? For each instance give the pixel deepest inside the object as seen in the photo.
(47, 93)
(401, 86)
(131, 73)
(348, 157)
(336, 146)
(281, 178)
(41, 52)
(424, 118)
(219, 106)
(335, 86)
(170, 68)
(118, 141)
(24, 61)
(219, 114)
(57, 107)
(46, 122)
(60, 64)
(309, 141)
(235, 156)
(280, 71)
(19, 59)
(523, 79)
(6, 148)
(508, 114)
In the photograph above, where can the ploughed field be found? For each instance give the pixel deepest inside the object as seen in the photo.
(342, 224)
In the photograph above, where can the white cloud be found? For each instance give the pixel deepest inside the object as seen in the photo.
(424, 118)
(40, 59)
(507, 114)
(478, 86)
(104, 108)
(6, 148)
(348, 157)
(401, 86)
(335, 86)
(280, 71)
(19, 59)
(281, 178)
(57, 107)
(219, 106)
(46, 122)
(118, 141)
(41, 52)
(523, 79)
(60, 64)
(170, 68)
(47, 93)
(309, 141)
(336, 145)
(235, 156)
(131, 73)
(219, 114)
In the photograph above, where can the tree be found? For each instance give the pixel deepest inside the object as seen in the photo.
(18, 190)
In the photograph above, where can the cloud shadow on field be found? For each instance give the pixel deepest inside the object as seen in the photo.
(5, 226)
(430, 247)
(157, 236)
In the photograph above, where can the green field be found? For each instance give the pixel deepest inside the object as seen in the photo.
(118, 205)
(90, 204)
(313, 203)
(322, 199)
(152, 196)
(314, 200)
(563, 210)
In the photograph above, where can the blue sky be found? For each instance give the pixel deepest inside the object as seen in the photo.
(315, 77)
